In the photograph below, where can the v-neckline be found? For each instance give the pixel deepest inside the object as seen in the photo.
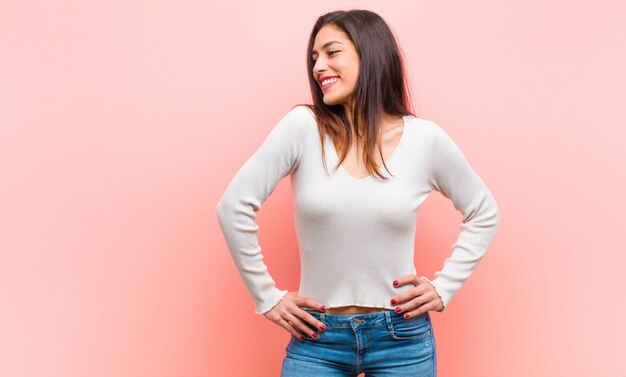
(387, 161)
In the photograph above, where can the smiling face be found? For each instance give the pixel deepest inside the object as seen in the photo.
(335, 57)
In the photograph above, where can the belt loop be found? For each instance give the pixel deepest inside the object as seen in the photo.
(323, 317)
(388, 320)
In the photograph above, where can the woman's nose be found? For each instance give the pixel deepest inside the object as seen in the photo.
(319, 67)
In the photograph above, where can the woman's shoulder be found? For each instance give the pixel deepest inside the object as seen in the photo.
(302, 112)
(420, 121)
(298, 117)
(422, 127)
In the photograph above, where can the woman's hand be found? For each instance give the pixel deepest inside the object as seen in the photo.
(417, 300)
(288, 313)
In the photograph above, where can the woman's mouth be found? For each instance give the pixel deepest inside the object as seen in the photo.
(328, 83)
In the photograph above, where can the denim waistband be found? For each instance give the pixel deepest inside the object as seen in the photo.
(364, 320)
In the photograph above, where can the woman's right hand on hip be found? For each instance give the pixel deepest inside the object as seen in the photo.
(289, 315)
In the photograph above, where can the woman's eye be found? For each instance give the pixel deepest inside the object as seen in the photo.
(329, 52)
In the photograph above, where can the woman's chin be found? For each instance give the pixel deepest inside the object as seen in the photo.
(331, 101)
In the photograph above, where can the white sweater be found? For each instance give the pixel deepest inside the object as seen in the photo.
(356, 236)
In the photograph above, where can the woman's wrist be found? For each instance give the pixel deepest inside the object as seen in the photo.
(443, 306)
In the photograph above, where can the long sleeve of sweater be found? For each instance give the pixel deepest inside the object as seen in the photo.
(454, 178)
(277, 157)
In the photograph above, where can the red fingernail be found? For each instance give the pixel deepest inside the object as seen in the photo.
(323, 327)
(406, 316)
(398, 309)
(301, 337)
(323, 307)
(314, 335)
(393, 302)
(395, 282)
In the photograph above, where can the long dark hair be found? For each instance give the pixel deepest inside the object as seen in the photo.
(381, 85)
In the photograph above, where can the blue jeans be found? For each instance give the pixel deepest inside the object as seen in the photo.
(377, 344)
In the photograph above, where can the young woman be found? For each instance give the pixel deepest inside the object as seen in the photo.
(361, 307)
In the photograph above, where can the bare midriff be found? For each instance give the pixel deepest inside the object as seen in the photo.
(353, 309)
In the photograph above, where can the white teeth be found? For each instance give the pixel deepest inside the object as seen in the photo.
(327, 81)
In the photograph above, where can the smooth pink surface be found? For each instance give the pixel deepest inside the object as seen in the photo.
(121, 123)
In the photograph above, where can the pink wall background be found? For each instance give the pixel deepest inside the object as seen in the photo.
(121, 123)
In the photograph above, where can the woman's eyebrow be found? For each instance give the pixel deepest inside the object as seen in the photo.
(327, 44)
